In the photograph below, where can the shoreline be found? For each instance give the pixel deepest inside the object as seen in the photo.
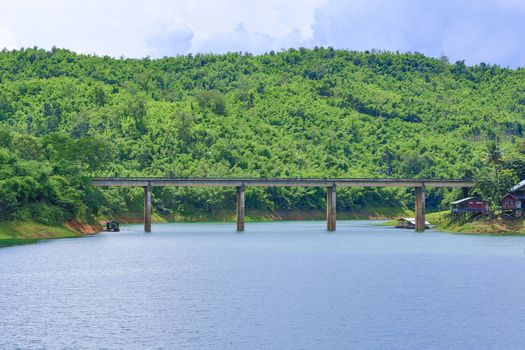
(28, 232)
(484, 226)
(260, 216)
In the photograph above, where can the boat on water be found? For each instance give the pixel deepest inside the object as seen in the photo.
(112, 226)
(409, 223)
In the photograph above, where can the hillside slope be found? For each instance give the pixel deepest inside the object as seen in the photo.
(299, 113)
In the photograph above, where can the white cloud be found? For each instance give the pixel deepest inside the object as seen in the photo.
(169, 39)
(477, 31)
(240, 39)
(156, 27)
(361, 25)
(482, 30)
(7, 38)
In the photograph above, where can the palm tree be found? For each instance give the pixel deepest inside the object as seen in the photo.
(494, 156)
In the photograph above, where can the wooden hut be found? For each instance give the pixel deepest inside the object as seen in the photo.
(518, 192)
(470, 205)
(510, 202)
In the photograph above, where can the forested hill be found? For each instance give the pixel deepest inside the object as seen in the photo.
(299, 113)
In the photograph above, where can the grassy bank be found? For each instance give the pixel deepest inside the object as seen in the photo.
(25, 232)
(482, 226)
(443, 222)
(263, 215)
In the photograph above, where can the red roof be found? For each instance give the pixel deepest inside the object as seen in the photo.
(509, 195)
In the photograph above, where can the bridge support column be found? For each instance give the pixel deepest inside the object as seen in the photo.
(420, 208)
(465, 191)
(240, 208)
(147, 208)
(330, 208)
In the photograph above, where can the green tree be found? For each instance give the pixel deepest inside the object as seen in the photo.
(212, 100)
(26, 146)
(494, 157)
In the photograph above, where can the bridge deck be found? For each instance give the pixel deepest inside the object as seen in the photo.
(281, 182)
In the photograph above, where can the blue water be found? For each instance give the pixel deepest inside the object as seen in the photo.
(281, 285)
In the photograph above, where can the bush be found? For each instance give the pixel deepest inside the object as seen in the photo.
(48, 214)
(8, 203)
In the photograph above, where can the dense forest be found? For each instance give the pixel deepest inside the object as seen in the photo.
(65, 117)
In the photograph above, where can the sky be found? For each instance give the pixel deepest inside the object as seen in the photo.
(491, 31)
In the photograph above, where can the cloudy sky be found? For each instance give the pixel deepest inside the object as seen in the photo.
(477, 31)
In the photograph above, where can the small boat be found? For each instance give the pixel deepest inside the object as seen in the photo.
(112, 226)
(409, 223)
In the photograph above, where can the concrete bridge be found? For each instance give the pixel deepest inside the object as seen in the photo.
(241, 183)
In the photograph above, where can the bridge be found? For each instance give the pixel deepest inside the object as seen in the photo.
(241, 183)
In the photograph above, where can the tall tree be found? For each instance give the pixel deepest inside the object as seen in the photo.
(494, 157)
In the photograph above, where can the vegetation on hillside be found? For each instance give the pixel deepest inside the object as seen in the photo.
(503, 172)
(66, 117)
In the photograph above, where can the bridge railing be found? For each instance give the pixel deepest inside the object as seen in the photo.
(307, 182)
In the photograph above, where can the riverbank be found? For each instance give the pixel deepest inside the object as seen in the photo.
(25, 232)
(442, 222)
(262, 216)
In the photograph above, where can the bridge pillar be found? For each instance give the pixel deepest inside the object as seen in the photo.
(420, 208)
(465, 191)
(330, 208)
(240, 208)
(147, 208)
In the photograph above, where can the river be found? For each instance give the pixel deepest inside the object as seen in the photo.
(279, 285)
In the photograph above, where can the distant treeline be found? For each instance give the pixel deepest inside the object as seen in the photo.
(298, 113)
